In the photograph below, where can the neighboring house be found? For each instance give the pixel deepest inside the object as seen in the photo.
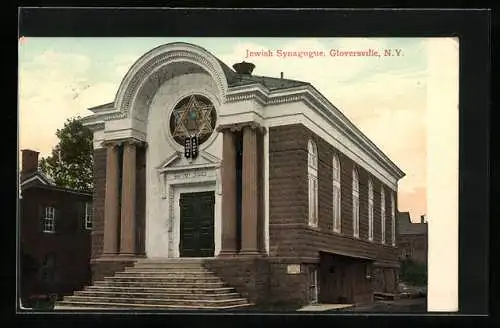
(413, 238)
(263, 177)
(54, 231)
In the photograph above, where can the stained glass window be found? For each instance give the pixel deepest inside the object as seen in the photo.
(193, 116)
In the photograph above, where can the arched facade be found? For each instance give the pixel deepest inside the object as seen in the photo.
(193, 159)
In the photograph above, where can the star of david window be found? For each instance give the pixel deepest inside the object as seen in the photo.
(193, 116)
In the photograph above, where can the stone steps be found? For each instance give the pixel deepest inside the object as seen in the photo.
(121, 306)
(160, 290)
(167, 274)
(167, 284)
(162, 278)
(166, 269)
(161, 284)
(133, 301)
(125, 293)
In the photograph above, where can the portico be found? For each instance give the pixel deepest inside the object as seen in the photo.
(119, 212)
(168, 96)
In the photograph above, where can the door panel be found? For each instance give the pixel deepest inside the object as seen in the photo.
(197, 224)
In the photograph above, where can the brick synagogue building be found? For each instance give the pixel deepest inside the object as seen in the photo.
(217, 188)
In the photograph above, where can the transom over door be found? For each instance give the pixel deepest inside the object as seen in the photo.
(197, 224)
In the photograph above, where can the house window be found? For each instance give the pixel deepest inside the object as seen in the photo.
(370, 210)
(48, 220)
(355, 203)
(393, 220)
(313, 183)
(313, 285)
(337, 226)
(88, 216)
(382, 215)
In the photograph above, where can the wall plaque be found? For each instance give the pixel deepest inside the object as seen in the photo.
(293, 269)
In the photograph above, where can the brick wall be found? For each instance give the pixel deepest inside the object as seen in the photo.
(416, 245)
(249, 276)
(69, 245)
(290, 236)
(288, 199)
(99, 197)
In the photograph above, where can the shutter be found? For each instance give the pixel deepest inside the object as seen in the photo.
(57, 220)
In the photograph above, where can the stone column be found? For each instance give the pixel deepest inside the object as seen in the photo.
(111, 206)
(128, 222)
(228, 174)
(249, 192)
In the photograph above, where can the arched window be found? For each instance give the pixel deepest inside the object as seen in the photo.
(312, 168)
(355, 203)
(382, 215)
(337, 225)
(370, 210)
(393, 219)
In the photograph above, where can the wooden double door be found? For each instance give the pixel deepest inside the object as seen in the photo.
(197, 224)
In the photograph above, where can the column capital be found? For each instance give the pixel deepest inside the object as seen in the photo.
(135, 142)
(236, 127)
(111, 143)
(127, 141)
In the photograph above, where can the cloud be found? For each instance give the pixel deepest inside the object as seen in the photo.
(48, 85)
(122, 63)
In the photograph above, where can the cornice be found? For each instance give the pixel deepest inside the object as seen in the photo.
(321, 105)
(159, 57)
(240, 126)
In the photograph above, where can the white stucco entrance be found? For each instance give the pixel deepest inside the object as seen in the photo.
(186, 180)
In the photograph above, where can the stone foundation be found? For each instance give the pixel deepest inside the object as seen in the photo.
(248, 275)
(263, 281)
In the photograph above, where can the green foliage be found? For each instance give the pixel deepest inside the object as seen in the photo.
(71, 161)
(413, 273)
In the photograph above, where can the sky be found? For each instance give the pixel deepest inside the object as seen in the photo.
(385, 97)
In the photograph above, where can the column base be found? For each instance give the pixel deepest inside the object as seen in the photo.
(227, 253)
(125, 256)
(250, 253)
(108, 256)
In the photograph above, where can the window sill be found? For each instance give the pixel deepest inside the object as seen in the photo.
(49, 232)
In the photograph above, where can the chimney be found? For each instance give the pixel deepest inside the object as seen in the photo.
(29, 160)
(281, 74)
(244, 68)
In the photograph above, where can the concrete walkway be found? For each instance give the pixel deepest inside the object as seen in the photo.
(325, 307)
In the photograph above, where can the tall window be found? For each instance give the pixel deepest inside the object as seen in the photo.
(313, 183)
(48, 220)
(337, 226)
(88, 216)
(393, 220)
(370, 210)
(382, 214)
(355, 203)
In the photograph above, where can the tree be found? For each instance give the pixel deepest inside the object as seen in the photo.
(71, 162)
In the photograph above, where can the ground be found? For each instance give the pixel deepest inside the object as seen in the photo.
(417, 305)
